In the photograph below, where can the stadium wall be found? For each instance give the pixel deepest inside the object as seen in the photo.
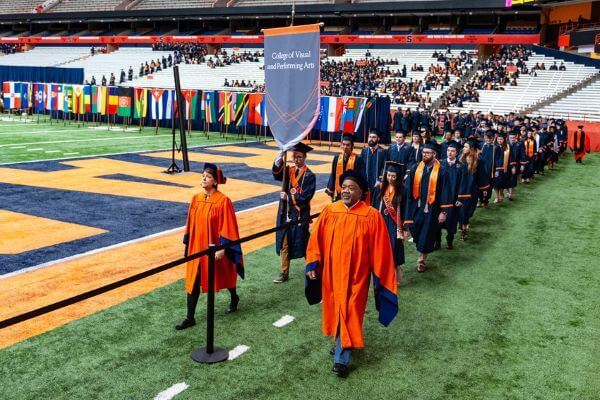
(576, 58)
(40, 74)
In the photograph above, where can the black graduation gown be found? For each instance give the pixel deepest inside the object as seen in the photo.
(390, 222)
(519, 156)
(492, 159)
(358, 166)
(421, 217)
(373, 163)
(473, 185)
(402, 155)
(505, 174)
(455, 174)
(529, 162)
(297, 207)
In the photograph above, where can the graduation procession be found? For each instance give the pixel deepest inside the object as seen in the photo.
(282, 200)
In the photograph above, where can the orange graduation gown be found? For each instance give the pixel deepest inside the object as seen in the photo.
(211, 221)
(579, 143)
(346, 247)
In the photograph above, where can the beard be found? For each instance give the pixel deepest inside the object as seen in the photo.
(372, 143)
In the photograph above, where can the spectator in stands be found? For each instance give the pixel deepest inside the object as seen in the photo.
(113, 79)
(122, 76)
(93, 80)
(103, 80)
(9, 48)
(553, 67)
(93, 51)
(562, 67)
(130, 73)
(164, 62)
(142, 70)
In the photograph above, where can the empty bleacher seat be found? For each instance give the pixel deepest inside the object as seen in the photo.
(85, 5)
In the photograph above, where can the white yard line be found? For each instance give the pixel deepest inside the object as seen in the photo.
(36, 149)
(35, 132)
(283, 321)
(126, 152)
(53, 151)
(70, 154)
(172, 391)
(86, 140)
(237, 351)
(18, 147)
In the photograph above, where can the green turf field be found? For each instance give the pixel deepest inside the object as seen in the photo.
(511, 314)
(26, 139)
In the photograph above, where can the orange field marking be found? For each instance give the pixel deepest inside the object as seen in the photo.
(22, 232)
(37, 288)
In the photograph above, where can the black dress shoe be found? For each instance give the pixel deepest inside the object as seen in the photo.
(436, 245)
(449, 245)
(332, 351)
(340, 370)
(187, 323)
(234, 304)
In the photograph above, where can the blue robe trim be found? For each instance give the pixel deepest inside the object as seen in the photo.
(234, 254)
(386, 302)
(312, 288)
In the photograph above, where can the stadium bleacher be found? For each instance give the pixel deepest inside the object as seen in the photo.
(582, 105)
(79, 5)
(530, 89)
(43, 56)
(158, 4)
(18, 6)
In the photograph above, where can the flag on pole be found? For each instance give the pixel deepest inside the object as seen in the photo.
(94, 99)
(161, 104)
(38, 93)
(210, 106)
(49, 93)
(359, 115)
(26, 96)
(348, 116)
(140, 103)
(113, 101)
(68, 98)
(60, 97)
(241, 109)
(191, 98)
(124, 94)
(77, 103)
(102, 100)
(87, 98)
(221, 108)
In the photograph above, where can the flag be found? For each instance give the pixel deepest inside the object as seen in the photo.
(241, 109)
(12, 95)
(161, 104)
(330, 114)
(112, 106)
(102, 100)
(221, 107)
(359, 115)
(77, 104)
(227, 108)
(87, 98)
(348, 117)
(26, 98)
(263, 111)
(38, 93)
(140, 103)
(48, 98)
(191, 98)
(210, 106)
(94, 99)
(60, 97)
(124, 95)
(68, 98)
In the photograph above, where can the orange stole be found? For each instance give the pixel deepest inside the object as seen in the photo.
(506, 158)
(208, 221)
(432, 181)
(295, 184)
(339, 170)
(529, 147)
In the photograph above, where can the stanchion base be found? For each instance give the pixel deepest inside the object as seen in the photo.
(200, 355)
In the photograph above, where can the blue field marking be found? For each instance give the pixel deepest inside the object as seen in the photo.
(41, 166)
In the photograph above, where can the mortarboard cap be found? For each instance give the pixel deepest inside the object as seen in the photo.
(302, 148)
(393, 166)
(348, 136)
(490, 133)
(454, 144)
(580, 126)
(356, 177)
(430, 146)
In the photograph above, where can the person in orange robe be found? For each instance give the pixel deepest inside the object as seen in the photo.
(349, 243)
(211, 220)
(579, 143)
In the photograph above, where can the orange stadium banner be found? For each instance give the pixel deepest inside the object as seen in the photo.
(258, 39)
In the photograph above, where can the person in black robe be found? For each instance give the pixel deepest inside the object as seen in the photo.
(516, 147)
(456, 173)
(506, 170)
(389, 201)
(492, 159)
(374, 158)
(427, 198)
(298, 191)
(530, 154)
(400, 152)
(416, 150)
(340, 164)
(476, 183)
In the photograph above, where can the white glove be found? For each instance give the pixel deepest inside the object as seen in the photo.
(279, 158)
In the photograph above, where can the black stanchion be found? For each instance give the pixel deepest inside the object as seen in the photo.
(210, 354)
